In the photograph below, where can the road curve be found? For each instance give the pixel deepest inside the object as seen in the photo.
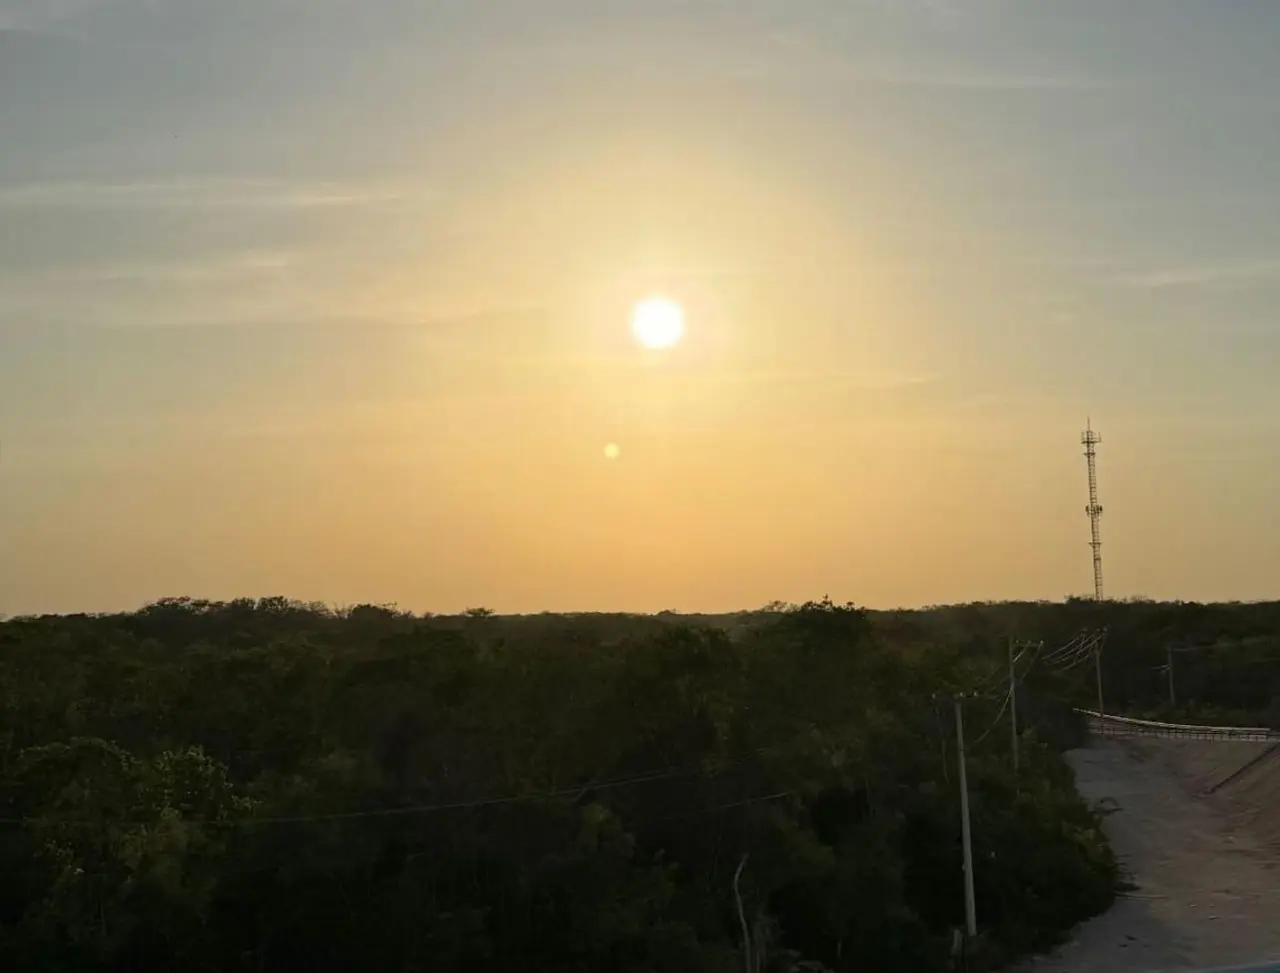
(1208, 895)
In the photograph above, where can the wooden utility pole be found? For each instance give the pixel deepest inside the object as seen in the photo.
(970, 908)
(1013, 707)
(1173, 699)
(1097, 659)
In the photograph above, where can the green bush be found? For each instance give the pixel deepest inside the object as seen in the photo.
(265, 785)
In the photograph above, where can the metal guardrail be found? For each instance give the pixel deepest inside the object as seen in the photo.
(1102, 724)
(1118, 726)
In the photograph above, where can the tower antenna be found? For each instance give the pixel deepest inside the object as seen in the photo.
(1090, 440)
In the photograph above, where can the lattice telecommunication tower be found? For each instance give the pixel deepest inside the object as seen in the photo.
(1090, 440)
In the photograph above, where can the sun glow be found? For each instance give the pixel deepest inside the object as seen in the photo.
(657, 322)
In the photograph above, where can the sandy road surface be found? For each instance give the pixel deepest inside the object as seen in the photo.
(1208, 896)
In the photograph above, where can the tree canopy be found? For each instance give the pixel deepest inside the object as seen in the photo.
(269, 785)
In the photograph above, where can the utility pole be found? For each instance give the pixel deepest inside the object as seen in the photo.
(970, 908)
(1097, 661)
(1013, 706)
(1173, 699)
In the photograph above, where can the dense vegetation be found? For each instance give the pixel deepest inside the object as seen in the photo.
(255, 786)
(1226, 657)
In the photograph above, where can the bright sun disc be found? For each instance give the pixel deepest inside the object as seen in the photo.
(657, 322)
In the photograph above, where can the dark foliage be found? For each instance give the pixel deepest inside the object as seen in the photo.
(1226, 657)
(254, 786)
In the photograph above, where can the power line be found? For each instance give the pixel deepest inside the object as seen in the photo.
(1079, 643)
(747, 802)
(1079, 650)
(1078, 660)
(577, 792)
(1035, 658)
(1004, 708)
(1063, 651)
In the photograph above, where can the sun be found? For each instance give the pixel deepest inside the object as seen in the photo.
(657, 322)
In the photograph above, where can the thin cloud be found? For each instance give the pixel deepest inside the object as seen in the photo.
(868, 381)
(972, 81)
(839, 65)
(513, 313)
(218, 289)
(35, 15)
(194, 194)
(250, 263)
(1207, 275)
(58, 285)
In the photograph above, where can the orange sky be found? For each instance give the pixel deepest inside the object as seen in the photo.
(349, 322)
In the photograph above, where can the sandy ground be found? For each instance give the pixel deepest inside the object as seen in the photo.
(1208, 890)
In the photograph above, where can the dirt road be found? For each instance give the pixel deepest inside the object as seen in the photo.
(1208, 892)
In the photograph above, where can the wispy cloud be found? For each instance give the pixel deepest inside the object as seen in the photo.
(205, 289)
(195, 194)
(965, 80)
(840, 65)
(55, 282)
(1225, 274)
(35, 15)
(868, 381)
(249, 263)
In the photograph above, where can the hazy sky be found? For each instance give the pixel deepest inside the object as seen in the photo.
(328, 298)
